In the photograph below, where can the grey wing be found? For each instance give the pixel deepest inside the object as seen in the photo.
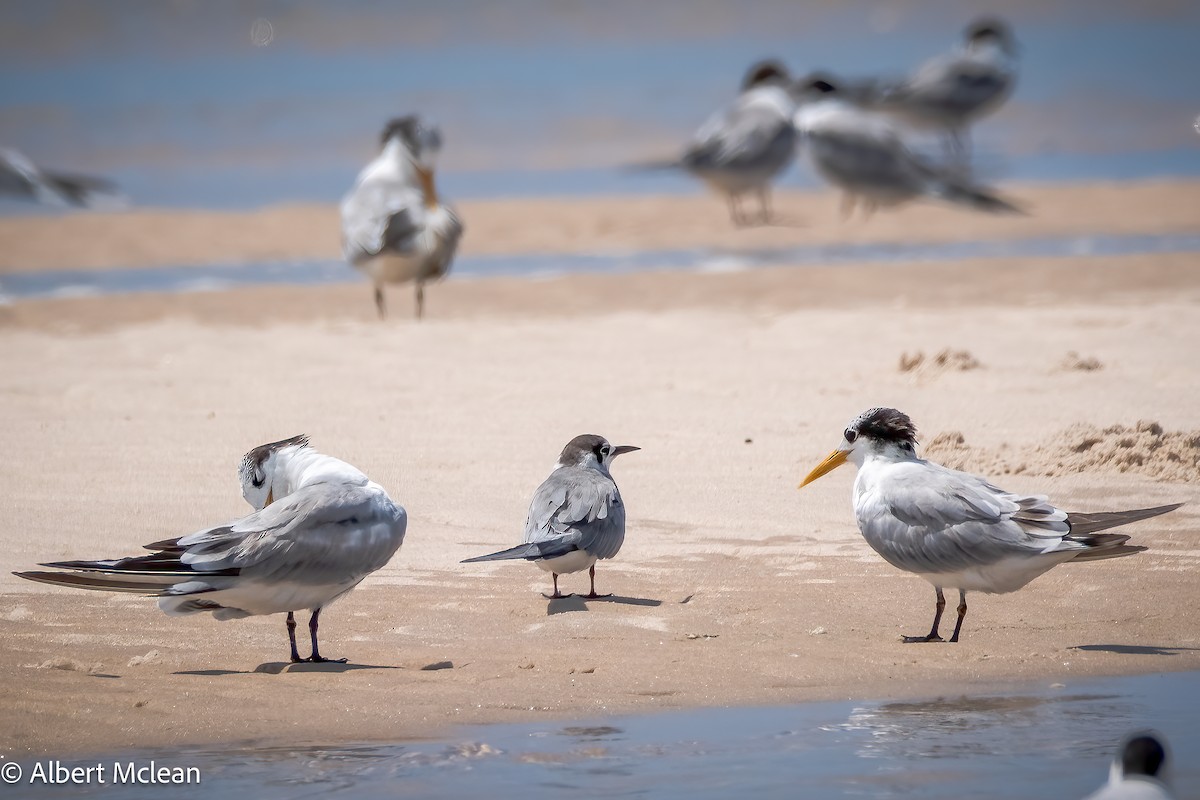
(742, 137)
(953, 85)
(378, 216)
(947, 521)
(867, 159)
(324, 533)
(577, 509)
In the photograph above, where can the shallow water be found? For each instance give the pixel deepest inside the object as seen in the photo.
(1048, 740)
(85, 283)
(187, 104)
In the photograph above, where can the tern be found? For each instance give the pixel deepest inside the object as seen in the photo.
(20, 177)
(319, 527)
(576, 516)
(862, 153)
(951, 92)
(394, 227)
(956, 530)
(745, 146)
(1138, 771)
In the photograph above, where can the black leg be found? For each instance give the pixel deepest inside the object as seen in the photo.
(962, 614)
(379, 304)
(420, 300)
(556, 595)
(316, 657)
(937, 619)
(735, 210)
(593, 595)
(291, 626)
(764, 199)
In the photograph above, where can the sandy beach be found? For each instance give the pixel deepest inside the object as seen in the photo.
(126, 418)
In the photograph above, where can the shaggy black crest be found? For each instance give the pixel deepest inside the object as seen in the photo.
(1143, 755)
(988, 28)
(252, 462)
(820, 83)
(769, 71)
(885, 425)
(404, 127)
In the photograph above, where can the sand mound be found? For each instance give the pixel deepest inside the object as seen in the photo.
(1073, 362)
(69, 665)
(1144, 448)
(946, 361)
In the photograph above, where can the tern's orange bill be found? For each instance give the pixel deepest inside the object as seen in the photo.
(831, 462)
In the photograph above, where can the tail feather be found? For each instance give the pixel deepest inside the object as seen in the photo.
(99, 582)
(528, 550)
(657, 165)
(1102, 553)
(974, 197)
(1083, 524)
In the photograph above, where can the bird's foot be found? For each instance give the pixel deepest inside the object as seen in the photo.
(930, 637)
(594, 596)
(316, 658)
(557, 595)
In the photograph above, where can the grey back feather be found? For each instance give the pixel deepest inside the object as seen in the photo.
(579, 508)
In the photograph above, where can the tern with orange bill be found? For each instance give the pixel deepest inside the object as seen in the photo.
(395, 228)
(957, 530)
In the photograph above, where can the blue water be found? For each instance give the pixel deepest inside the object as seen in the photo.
(213, 277)
(1048, 740)
(177, 103)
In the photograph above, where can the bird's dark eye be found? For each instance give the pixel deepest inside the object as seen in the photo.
(850, 435)
(604, 450)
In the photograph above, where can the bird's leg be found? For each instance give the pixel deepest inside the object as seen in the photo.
(958, 151)
(316, 657)
(847, 207)
(593, 595)
(735, 210)
(291, 626)
(962, 613)
(764, 200)
(379, 304)
(420, 300)
(937, 618)
(556, 595)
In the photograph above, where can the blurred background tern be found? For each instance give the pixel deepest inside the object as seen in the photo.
(745, 146)
(863, 154)
(394, 226)
(951, 92)
(21, 178)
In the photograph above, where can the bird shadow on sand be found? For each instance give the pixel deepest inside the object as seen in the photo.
(1134, 649)
(279, 667)
(577, 602)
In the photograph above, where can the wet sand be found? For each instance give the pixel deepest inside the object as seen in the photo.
(126, 418)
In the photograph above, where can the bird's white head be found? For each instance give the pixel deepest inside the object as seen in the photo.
(877, 432)
(263, 472)
(990, 33)
(592, 451)
(419, 143)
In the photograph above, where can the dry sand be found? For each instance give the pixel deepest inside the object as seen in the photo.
(125, 418)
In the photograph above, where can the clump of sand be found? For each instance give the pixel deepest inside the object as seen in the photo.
(1144, 448)
(1073, 362)
(69, 665)
(947, 360)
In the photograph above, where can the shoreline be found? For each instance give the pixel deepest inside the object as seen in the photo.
(156, 237)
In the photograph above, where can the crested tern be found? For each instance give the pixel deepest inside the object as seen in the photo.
(952, 91)
(862, 153)
(1138, 770)
(20, 177)
(743, 147)
(576, 516)
(319, 527)
(394, 226)
(957, 530)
